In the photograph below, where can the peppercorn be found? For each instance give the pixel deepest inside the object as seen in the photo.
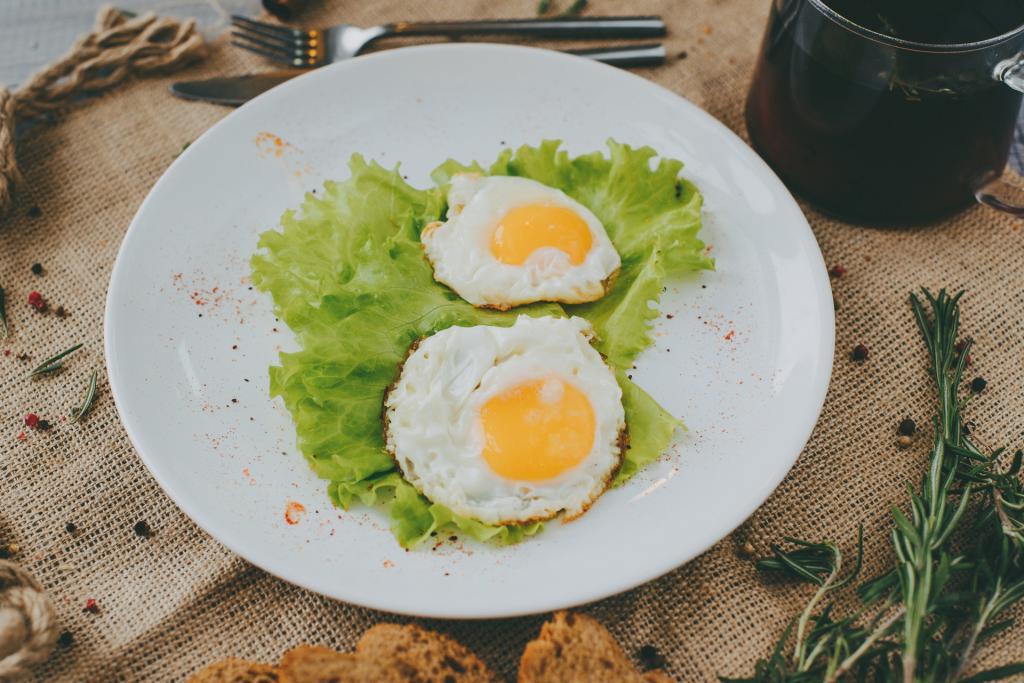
(44, 425)
(978, 385)
(837, 271)
(37, 269)
(142, 529)
(905, 441)
(34, 212)
(650, 657)
(8, 550)
(748, 549)
(61, 312)
(66, 639)
(907, 427)
(859, 353)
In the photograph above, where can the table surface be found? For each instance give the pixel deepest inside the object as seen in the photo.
(174, 600)
(35, 32)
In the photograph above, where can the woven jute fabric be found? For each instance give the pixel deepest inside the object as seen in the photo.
(178, 599)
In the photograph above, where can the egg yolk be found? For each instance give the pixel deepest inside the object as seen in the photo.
(537, 430)
(525, 229)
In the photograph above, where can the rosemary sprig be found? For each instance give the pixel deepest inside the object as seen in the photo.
(923, 563)
(4, 330)
(90, 396)
(53, 364)
(819, 563)
(542, 7)
(935, 607)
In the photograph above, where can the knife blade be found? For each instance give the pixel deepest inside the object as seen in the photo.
(232, 90)
(235, 90)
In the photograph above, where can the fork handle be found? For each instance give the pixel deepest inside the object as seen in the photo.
(586, 27)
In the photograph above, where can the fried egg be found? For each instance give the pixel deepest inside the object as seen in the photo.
(509, 241)
(508, 425)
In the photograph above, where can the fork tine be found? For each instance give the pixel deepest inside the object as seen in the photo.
(276, 56)
(270, 30)
(267, 43)
(300, 55)
(270, 35)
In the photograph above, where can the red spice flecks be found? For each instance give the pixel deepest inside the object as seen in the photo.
(837, 271)
(293, 512)
(31, 420)
(7, 352)
(730, 335)
(22, 436)
(36, 300)
(91, 606)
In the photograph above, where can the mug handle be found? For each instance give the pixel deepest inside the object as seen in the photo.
(997, 192)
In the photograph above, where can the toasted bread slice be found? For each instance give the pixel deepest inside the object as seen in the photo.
(236, 671)
(314, 664)
(573, 648)
(434, 655)
(388, 653)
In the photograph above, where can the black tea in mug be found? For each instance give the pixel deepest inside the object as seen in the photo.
(888, 111)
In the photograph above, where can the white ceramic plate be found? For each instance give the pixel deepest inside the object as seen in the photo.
(745, 357)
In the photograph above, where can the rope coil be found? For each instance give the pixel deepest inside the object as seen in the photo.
(28, 622)
(118, 47)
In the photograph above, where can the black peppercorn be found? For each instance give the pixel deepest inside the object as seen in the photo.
(978, 385)
(37, 269)
(859, 353)
(650, 657)
(907, 427)
(142, 529)
(66, 639)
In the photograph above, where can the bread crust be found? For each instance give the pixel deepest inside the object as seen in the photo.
(575, 648)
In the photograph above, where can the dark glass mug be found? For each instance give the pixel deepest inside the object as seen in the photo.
(879, 129)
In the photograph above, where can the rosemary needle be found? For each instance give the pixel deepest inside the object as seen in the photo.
(90, 396)
(575, 9)
(53, 364)
(3, 316)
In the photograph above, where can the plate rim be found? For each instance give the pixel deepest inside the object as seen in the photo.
(528, 606)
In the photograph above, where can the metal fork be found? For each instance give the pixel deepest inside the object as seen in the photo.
(316, 47)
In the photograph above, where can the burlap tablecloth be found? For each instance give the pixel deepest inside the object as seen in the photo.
(176, 600)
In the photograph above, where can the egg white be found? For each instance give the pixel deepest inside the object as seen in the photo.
(459, 249)
(433, 427)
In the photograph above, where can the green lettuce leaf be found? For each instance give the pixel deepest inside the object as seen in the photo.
(348, 276)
